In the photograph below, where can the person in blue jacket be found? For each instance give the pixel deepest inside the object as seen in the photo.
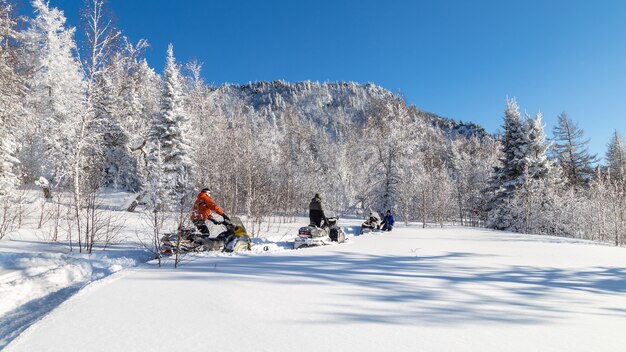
(388, 221)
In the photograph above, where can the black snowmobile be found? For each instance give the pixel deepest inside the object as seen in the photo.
(310, 236)
(372, 223)
(234, 239)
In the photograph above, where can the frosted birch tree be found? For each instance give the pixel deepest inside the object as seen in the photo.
(100, 38)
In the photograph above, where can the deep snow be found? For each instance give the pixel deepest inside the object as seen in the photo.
(452, 289)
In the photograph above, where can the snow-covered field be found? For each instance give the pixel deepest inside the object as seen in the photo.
(451, 289)
(37, 274)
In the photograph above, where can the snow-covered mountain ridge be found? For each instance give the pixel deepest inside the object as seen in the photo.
(329, 105)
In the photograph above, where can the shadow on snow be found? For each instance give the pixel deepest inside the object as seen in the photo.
(440, 289)
(15, 322)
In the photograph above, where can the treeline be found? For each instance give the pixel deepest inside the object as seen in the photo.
(105, 118)
(554, 187)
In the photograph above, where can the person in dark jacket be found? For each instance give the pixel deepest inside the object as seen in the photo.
(388, 221)
(316, 211)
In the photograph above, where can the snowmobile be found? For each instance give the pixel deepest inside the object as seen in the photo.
(234, 239)
(372, 223)
(310, 236)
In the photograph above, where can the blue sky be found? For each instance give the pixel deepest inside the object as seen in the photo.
(459, 59)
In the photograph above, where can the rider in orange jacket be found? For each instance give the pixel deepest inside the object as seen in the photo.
(202, 209)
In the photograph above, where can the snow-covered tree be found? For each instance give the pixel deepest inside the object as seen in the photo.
(156, 187)
(526, 170)
(603, 208)
(572, 153)
(472, 162)
(119, 167)
(56, 96)
(137, 97)
(169, 134)
(536, 163)
(8, 177)
(514, 147)
(507, 177)
(11, 95)
(616, 157)
(100, 38)
(390, 133)
(209, 126)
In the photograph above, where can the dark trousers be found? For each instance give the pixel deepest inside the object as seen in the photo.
(201, 226)
(316, 217)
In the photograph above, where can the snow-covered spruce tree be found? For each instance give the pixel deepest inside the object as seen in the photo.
(169, 135)
(11, 95)
(571, 152)
(616, 157)
(524, 150)
(536, 162)
(506, 178)
(534, 203)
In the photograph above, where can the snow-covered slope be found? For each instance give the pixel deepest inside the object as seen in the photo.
(450, 289)
(329, 105)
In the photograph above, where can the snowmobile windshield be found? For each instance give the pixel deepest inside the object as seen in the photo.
(239, 228)
(235, 220)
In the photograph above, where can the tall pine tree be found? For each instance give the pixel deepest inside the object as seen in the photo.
(169, 136)
(506, 178)
(536, 163)
(525, 170)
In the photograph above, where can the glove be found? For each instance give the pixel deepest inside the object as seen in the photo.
(226, 218)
